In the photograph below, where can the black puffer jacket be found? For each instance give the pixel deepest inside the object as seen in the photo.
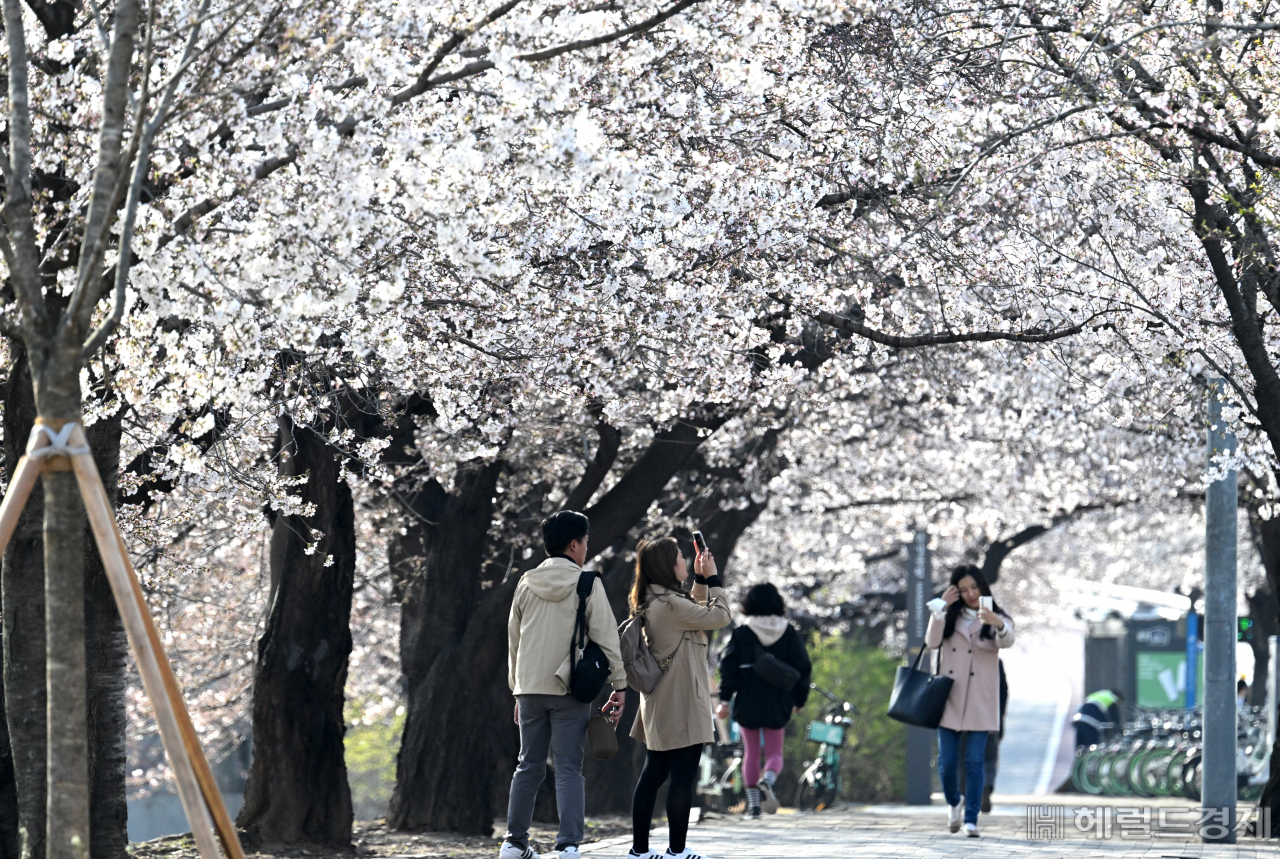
(756, 704)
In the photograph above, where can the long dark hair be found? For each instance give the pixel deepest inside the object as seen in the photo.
(953, 610)
(655, 565)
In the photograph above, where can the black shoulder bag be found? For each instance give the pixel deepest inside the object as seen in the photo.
(919, 697)
(773, 670)
(588, 666)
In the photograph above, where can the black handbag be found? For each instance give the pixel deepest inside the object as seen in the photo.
(918, 696)
(588, 666)
(774, 671)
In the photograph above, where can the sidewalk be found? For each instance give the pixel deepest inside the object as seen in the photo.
(872, 832)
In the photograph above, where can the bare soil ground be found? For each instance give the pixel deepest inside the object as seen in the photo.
(372, 839)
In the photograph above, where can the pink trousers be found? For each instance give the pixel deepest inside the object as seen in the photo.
(751, 753)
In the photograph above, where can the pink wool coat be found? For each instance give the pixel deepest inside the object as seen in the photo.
(971, 661)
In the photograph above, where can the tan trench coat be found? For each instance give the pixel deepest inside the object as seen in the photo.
(678, 712)
(972, 662)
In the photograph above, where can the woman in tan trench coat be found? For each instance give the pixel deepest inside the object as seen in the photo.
(675, 718)
(968, 637)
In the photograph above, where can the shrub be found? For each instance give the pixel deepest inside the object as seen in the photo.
(373, 738)
(873, 760)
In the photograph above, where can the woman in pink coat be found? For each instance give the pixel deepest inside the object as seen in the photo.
(968, 636)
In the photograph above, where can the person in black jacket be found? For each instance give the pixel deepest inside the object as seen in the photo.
(762, 708)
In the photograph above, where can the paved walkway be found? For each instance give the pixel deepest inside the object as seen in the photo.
(871, 832)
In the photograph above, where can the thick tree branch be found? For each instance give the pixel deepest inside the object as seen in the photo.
(17, 204)
(598, 469)
(143, 139)
(624, 504)
(106, 180)
(896, 341)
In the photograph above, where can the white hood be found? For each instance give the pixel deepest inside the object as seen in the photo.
(768, 628)
(553, 580)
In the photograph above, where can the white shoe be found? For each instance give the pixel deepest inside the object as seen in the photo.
(686, 853)
(768, 799)
(971, 830)
(954, 816)
(514, 851)
(571, 852)
(648, 854)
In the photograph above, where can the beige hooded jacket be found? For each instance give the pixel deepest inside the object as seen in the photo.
(541, 626)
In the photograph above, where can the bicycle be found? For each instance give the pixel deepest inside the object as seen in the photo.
(1160, 754)
(720, 784)
(820, 786)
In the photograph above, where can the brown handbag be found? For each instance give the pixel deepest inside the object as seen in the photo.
(602, 736)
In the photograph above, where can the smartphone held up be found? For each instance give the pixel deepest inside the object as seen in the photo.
(699, 542)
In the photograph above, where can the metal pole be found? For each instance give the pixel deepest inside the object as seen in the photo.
(1193, 655)
(1273, 689)
(1218, 792)
(920, 741)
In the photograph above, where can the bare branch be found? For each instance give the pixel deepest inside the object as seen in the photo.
(481, 66)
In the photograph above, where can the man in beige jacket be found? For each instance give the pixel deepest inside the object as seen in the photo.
(539, 630)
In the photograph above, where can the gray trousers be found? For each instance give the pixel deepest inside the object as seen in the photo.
(555, 723)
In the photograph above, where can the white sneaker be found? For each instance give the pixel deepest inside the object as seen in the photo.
(515, 851)
(971, 830)
(648, 854)
(686, 853)
(954, 816)
(571, 852)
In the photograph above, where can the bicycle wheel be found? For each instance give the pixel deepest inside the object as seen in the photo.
(1135, 773)
(1190, 787)
(1106, 768)
(1087, 771)
(1155, 772)
(1173, 773)
(732, 791)
(815, 792)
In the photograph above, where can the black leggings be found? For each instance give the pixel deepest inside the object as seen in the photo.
(682, 766)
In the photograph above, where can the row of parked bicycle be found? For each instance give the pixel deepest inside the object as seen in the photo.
(1159, 753)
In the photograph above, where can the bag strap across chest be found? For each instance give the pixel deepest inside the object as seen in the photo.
(665, 662)
(586, 582)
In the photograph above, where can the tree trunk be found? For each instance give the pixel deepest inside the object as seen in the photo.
(22, 593)
(55, 373)
(452, 650)
(107, 651)
(9, 842)
(453, 634)
(297, 791)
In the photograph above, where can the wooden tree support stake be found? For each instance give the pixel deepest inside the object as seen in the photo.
(201, 799)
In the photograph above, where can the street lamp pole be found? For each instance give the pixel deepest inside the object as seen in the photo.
(1218, 791)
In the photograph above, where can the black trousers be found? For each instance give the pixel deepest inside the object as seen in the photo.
(681, 766)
